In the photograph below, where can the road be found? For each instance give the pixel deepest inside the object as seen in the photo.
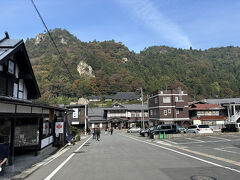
(123, 157)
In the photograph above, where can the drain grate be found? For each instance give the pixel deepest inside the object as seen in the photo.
(86, 145)
(203, 178)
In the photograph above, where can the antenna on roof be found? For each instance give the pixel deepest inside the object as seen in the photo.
(7, 35)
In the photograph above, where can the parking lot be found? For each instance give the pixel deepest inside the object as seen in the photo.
(222, 146)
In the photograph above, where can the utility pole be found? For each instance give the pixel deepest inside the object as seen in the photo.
(143, 125)
(85, 128)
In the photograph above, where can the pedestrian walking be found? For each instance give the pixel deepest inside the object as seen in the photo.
(98, 132)
(4, 153)
(111, 130)
(94, 133)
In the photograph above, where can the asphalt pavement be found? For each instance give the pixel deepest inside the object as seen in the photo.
(122, 157)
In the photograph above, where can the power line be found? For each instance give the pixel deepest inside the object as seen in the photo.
(60, 55)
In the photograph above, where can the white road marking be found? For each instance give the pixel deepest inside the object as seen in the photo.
(232, 135)
(56, 156)
(219, 138)
(223, 149)
(64, 162)
(184, 154)
(172, 142)
(194, 139)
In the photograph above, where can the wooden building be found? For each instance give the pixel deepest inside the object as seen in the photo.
(169, 106)
(211, 114)
(23, 123)
(126, 115)
(78, 117)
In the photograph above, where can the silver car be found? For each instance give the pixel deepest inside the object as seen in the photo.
(134, 130)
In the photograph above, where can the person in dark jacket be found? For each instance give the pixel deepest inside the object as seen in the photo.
(111, 130)
(98, 132)
(4, 153)
(94, 133)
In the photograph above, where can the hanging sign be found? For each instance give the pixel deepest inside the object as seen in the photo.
(59, 127)
(75, 113)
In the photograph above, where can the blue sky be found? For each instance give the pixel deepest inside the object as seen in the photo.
(201, 24)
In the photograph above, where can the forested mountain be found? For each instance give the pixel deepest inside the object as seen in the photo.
(101, 68)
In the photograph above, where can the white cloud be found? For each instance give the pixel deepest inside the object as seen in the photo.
(156, 21)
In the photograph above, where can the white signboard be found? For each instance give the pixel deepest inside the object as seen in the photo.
(75, 113)
(58, 127)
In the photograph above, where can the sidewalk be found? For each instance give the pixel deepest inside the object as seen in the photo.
(28, 163)
(27, 160)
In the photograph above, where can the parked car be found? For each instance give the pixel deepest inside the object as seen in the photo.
(151, 129)
(234, 127)
(164, 128)
(144, 132)
(134, 130)
(180, 129)
(199, 129)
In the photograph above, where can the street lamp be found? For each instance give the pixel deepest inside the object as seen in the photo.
(142, 124)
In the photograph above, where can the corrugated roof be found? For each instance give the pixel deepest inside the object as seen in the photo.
(223, 101)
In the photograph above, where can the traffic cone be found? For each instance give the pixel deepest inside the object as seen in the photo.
(160, 136)
(164, 135)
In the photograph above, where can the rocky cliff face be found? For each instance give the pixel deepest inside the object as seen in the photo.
(84, 69)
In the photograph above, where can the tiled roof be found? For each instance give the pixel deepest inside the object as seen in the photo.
(206, 107)
(7, 46)
(109, 96)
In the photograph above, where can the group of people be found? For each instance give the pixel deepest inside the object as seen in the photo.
(97, 132)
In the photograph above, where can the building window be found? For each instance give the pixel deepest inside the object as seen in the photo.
(156, 100)
(11, 67)
(166, 100)
(1, 68)
(169, 111)
(17, 72)
(176, 99)
(15, 90)
(151, 112)
(165, 112)
(177, 111)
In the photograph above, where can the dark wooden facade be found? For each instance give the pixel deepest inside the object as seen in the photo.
(24, 124)
(169, 106)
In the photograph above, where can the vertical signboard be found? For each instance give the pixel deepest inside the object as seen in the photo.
(75, 113)
(59, 127)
